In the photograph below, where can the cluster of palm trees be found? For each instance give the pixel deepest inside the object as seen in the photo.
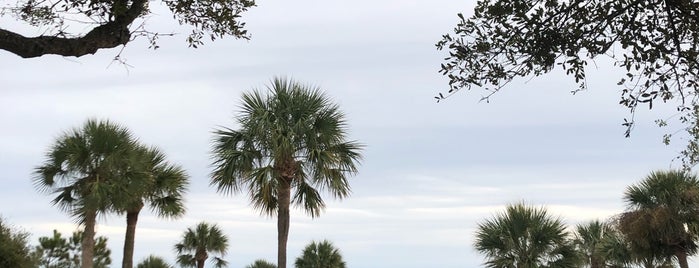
(101, 168)
(291, 143)
(659, 229)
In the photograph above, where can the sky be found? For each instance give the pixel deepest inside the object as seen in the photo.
(431, 171)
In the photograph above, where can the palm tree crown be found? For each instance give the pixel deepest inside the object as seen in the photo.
(261, 264)
(153, 262)
(197, 243)
(292, 138)
(320, 255)
(600, 244)
(525, 237)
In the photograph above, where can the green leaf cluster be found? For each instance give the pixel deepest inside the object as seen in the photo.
(60, 252)
(14, 247)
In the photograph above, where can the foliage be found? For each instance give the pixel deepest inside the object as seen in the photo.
(59, 252)
(619, 251)
(525, 236)
(14, 249)
(655, 42)
(663, 215)
(320, 255)
(114, 23)
(194, 248)
(261, 264)
(153, 262)
(603, 245)
(293, 138)
(588, 238)
(55, 251)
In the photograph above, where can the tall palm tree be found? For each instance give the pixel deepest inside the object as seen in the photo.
(320, 255)
(588, 239)
(293, 138)
(163, 187)
(197, 243)
(525, 237)
(85, 169)
(664, 214)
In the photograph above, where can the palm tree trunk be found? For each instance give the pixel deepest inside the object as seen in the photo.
(88, 243)
(284, 196)
(682, 258)
(200, 257)
(130, 238)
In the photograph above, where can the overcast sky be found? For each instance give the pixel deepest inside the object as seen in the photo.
(431, 170)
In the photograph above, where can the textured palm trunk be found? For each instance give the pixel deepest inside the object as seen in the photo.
(88, 243)
(200, 257)
(682, 258)
(130, 237)
(284, 195)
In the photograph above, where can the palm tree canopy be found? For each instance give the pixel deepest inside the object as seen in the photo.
(153, 262)
(294, 132)
(588, 239)
(162, 184)
(320, 255)
(673, 189)
(198, 242)
(86, 166)
(527, 237)
(261, 264)
(663, 213)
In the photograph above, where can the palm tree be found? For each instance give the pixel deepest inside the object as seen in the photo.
(525, 237)
(261, 264)
(588, 239)
(663, 214)
(153, 262)
(84, 169)
(320, 255)
(196, 244)
(163, 187)
(294, 138)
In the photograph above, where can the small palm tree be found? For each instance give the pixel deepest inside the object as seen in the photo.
(525, 237)
(261, 264)
(162, 188)
(320, 255)
(663, 214)
(86, 169)
(294, 138)
(153, 262)
(197, 243)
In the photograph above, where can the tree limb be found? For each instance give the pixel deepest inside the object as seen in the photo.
(108, 35)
